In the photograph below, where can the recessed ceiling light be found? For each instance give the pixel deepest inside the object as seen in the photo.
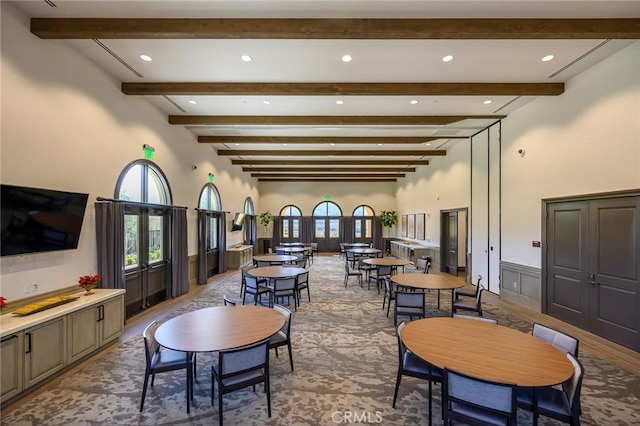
(236, 144)
(427, 143)
(333, 144)
(146, 58)
(547, 58)
(487, 102)
(413, 101)
(246, 58)
(266, 102)
(346, 58)
(380, 144)
(447, 58)
(339, 102)
(192, 102)
(285, 144)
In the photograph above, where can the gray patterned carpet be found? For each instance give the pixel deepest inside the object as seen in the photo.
(345, 355)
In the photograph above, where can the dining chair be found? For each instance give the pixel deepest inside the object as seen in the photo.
(558, 339)
(239, 368)
(349, 272)
(389, 294)
(469, 305)
(314, 249)
(263, 263)
(302, 282)
(254, 288)
(160, 360)
(381, 271)
(412, 366)
(475, 401)
(351, 258)
(559, 404)
(409, 304)
(283, 336)
(281, 288)
(483, 319)
(422, 267)
(365, 267)
(228, 301)
(469, 293)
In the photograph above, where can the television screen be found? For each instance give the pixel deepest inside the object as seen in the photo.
(36, 220)
(237, 222)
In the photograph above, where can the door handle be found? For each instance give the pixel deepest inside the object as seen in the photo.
(592, 280)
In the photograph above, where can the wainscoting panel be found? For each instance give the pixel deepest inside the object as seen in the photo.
(193, 270)
(521, 284)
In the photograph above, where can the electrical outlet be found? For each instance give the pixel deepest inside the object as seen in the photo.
(34, 287)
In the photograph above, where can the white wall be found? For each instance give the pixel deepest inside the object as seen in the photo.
(66, 125)
(584, 141)
(306, 195)
(442, 185)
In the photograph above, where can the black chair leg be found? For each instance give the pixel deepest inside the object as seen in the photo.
(290, 356)
(395, 394)
(144, 390)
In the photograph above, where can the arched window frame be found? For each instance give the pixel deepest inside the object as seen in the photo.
(291, 223)
(317, 213)
(210, 198)
(148, 168)
(363, 217)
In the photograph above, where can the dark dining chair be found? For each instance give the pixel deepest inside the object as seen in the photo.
(412, 366)
(475, 401)
(239, 368)
(350, 272)
(469, 305)
(255, 288)
(283, 287)
(302, 283)
(283, 336)
(559, 404)
(558, 339)
(409, 304)
(389, 294)
(469, 293)
(161, 360)
(228, 301)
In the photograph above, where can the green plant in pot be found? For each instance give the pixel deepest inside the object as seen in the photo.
(388, 219)
(265, 219)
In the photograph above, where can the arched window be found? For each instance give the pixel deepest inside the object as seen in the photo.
(142, 181)
(363, 222)
(210, 200)
(291, 220)
(326, 222)
(248, 206)
(250, 233)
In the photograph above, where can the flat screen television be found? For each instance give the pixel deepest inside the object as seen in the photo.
(34, 220)
(237, 222)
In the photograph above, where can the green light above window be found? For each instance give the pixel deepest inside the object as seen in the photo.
(148, 151)
(211, 177)
(327, 198)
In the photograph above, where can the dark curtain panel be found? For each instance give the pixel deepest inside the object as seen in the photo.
(203, 231)
(378, 241)
(110, 242)
(306, 231)
(179, 252)
(346, 229)
(222, 239)
(254, 233)
(277, 230)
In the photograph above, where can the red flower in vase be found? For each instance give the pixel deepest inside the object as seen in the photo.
(89, 281)
(2, 300)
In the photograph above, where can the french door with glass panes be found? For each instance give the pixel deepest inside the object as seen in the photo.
(146, 257)
(290, 229)
(363, 229)
(327, 233)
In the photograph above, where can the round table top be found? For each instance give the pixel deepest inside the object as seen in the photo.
(293, 249)
(291, 244)
(275, 258)
(276, 271)
(428, 281)
(355, 245)
(364, 250)
(219, 328)
(487, 351)
(386, 261)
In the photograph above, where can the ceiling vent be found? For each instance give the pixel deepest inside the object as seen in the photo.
(117, 58)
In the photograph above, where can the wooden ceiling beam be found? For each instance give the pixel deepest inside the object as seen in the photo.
(325, 139)
(336, 153)
(361, 29)
(325, 120)
(327, 179)
(329, 169)
(332, 175)
(342, 89)
(336, 162)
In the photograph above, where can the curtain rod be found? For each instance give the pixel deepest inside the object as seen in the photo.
(112, 200)
(210, 211)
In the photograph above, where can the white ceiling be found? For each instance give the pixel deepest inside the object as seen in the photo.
(319, 61)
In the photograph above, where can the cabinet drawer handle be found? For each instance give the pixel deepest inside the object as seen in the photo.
(28, 336)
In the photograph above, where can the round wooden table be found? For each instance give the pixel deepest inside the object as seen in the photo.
(429, 282)
(276, 258)
(219, 328)
(394, 262)
(296, 249)
(273, 272)
(292, 244)
(487, 351)
(365, 251)
(355, 245)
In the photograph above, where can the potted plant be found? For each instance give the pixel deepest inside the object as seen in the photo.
(388, 219)
(265, 219)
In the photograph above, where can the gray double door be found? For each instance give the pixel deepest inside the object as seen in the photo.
(592, 266)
